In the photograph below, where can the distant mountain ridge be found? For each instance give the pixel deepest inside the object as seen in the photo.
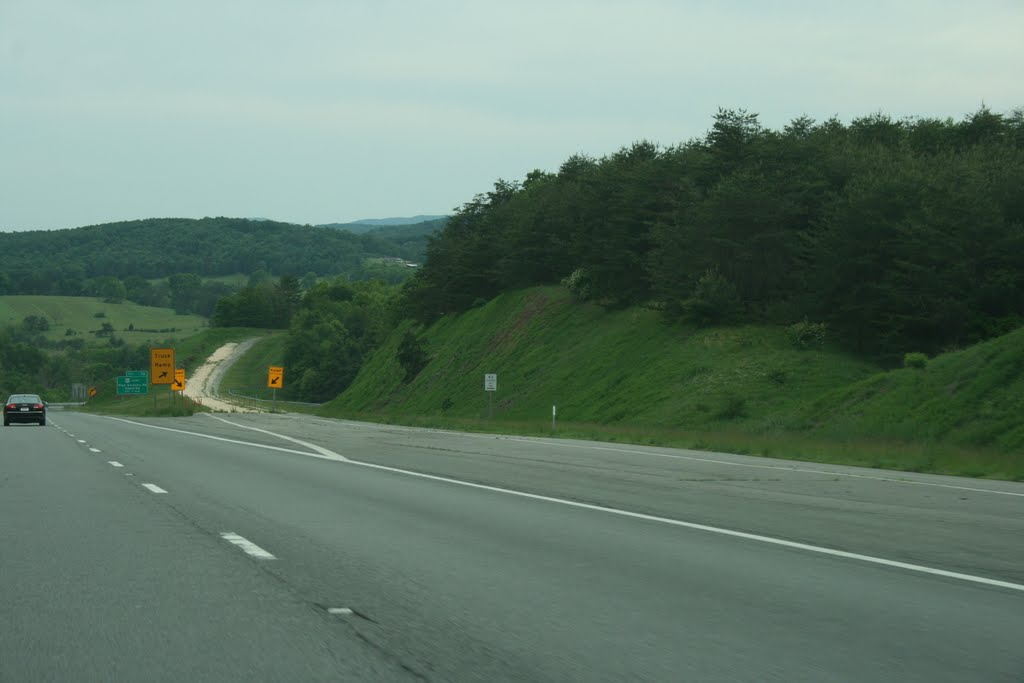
(368, 224)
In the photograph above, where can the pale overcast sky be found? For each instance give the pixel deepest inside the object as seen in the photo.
(316, 111)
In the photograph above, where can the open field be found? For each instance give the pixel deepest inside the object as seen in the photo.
(72, 317)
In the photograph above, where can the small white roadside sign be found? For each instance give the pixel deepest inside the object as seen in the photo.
(490, 382)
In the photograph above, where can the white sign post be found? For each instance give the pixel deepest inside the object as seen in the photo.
(490, 386)
(553, 411)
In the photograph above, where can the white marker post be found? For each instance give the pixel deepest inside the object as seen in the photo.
(553, 413)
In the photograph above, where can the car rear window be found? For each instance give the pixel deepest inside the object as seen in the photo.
(24, 398)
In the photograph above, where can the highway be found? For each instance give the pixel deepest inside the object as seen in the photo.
(229, 547)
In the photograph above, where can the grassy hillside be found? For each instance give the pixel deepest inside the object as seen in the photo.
(625, 375)
(84, 315)
(248, 376)
(973, 397)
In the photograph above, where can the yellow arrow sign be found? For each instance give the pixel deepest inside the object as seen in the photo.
(275, 377)
(179, 380)
(161, 366)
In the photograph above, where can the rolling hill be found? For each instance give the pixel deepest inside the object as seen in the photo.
(160, 247)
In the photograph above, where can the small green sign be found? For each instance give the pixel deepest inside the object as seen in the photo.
(132, 385)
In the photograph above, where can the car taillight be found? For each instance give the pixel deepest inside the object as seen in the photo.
(37, 406)
(11, 406)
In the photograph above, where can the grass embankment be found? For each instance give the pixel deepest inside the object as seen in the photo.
(625, 376)
(245, 382)
(190, 354)
(81, 316)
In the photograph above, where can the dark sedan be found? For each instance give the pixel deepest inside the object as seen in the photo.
(24, 408)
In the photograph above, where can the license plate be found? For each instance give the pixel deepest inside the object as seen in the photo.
(24, 409)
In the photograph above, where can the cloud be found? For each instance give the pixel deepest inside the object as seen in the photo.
(326, 89)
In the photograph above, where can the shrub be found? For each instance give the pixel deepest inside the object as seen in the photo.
(579, 284)
(714, 299)
(732, 407)
(806, 335)
(918, 361)
(36, 323)
(412, 356)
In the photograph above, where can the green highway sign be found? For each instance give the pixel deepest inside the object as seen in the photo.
(127, 384)
(144, 374)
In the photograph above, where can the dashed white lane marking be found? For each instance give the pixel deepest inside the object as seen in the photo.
(81, 441)
(339, 610)
(115, 463)
(248, 546)
(154, 488)
(95, 450)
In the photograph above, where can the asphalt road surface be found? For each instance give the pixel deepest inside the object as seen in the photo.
(291, 548)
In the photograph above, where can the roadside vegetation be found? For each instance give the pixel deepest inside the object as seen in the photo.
(246, 379)
(627, 376)
(160, 400)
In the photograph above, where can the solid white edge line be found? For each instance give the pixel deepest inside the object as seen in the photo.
(319, 449)
(246, 545)
(333, 456)
(623, 513)
(676, 456)
(154, 488)
(716, 530)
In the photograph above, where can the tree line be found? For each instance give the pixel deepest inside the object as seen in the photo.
(899, 235)
(332, 327)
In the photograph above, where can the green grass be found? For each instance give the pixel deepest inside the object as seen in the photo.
(248, 376)
(972, 398)
(245, 382)
(625, 376)
(84, 315)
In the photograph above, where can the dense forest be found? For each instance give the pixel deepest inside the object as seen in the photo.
(898, 235)
(68, 262)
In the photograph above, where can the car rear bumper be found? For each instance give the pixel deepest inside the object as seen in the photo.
(31, 416)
